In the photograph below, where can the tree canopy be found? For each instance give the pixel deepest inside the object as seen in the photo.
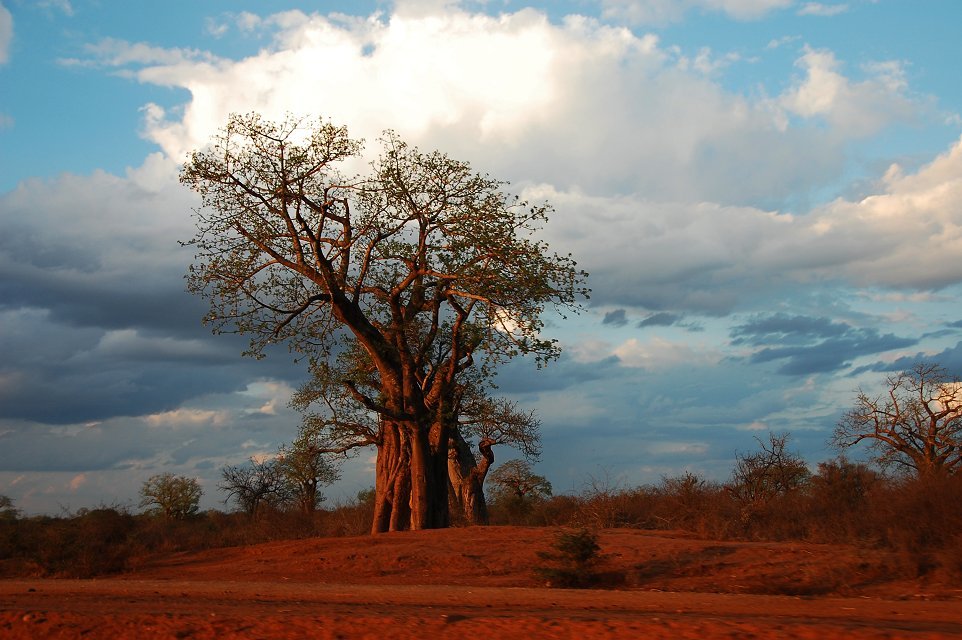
(424, 266)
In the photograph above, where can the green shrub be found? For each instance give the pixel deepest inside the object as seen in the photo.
(573, 562)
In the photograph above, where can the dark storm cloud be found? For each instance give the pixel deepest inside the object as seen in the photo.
(616, 318)
(663, 319)
(812, 345)
(784, 328)
(950, 359)
(96, 321)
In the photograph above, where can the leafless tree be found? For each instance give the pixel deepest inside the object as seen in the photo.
(914, 426)
(254, 485)
(761, 476)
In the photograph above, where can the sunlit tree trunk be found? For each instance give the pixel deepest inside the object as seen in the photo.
(466, 476)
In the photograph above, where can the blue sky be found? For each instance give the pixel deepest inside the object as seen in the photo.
(766, 193)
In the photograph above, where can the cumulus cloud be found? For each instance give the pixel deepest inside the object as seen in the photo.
(660, 12)
(531, 100)
(822, 9)
(658, 353)
(6, 33)
(860, 107)
(709, 258)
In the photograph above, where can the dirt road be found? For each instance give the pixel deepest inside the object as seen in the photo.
(116, 609)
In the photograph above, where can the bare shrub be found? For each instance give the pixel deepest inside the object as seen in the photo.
(92, 542)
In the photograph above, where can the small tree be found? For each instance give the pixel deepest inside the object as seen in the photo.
(254, 485)
(7, 510)
(516, 488)
(515, 478)
(176, 497)
(916, 426)
(573, 562)
(762, 476)
(306, 466)
(492, 422)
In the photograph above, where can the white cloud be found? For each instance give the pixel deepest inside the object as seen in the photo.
(775, 43)
(821, 9)
(6, 33)
(578, 107)
(117, 53)
(573, 110)
(861, 108)
(63, 6)
(678, 448)
(660, 12)
(184, 417)
(706, 257)
(658, 353)
(531, 100)
(420, 8)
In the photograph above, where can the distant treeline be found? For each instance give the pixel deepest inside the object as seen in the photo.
(771, 496)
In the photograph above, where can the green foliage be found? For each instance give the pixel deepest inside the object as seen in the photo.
(366, 497)
(516, 489)
(573, 562)
(305, 466)
(174, 497)
(7, 510)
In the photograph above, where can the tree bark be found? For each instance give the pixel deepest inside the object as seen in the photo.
(466, 476)
(429, 478)
(392, 510)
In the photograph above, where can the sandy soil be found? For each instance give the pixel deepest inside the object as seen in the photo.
(479, 582)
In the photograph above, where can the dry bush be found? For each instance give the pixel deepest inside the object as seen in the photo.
(606, 504)
(90, 543)
(920, 519)
(691, 503)
(560, 510)
(840, 497)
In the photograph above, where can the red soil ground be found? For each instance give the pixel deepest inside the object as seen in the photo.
(479, 582)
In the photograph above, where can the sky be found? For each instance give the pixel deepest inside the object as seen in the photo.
(767, 195)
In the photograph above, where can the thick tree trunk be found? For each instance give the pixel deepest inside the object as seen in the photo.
(466, 478)
(429, 478)
(392, 490)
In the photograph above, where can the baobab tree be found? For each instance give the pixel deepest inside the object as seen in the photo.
(420, 258)
(489, 422)
(477, 419)
(915, 426)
